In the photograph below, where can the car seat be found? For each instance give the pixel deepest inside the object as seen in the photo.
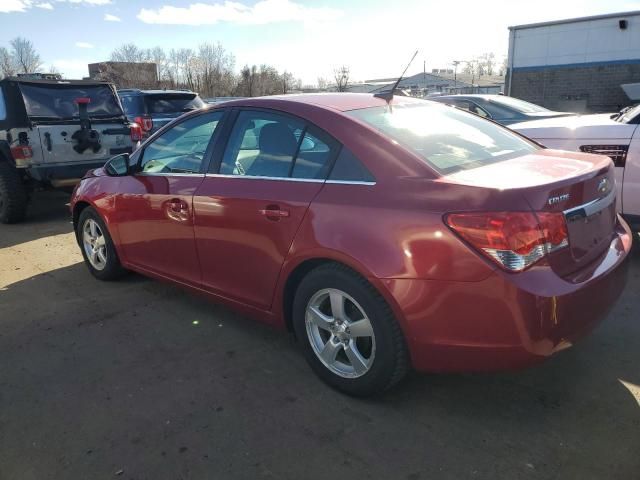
(277, 145)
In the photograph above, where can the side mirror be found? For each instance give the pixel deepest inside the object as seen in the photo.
(118, 166)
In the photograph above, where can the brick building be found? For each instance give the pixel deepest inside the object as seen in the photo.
(577, 64)
(126, 74)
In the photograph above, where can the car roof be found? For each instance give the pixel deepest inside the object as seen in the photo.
(155, 92)
(473, 95)
(341, 102)
(58, 83)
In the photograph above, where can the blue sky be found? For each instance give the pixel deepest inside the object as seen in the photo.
(309, 38)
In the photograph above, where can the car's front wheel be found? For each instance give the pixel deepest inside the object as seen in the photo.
(348, 332)
(97, 247)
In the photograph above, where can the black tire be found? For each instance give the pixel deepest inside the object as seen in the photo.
(14, 196)
(112, 269)
(391, 360)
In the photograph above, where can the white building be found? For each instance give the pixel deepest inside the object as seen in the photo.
(576, 64)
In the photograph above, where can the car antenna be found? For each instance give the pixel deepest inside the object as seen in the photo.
(387, 95)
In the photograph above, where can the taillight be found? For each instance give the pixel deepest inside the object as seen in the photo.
(145, 122)
(514, 240)
(21, 152)
(135, 132)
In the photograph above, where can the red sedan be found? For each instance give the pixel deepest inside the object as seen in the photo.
(384, 234)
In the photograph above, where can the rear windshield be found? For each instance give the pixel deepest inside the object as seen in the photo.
(446, 138)
(59, 102)
(172, 103)
(520, 105)
(132, 104)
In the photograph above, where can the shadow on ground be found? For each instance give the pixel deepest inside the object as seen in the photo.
(139, 380)
(48, 215)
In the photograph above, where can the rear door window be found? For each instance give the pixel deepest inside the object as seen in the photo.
(266, 144)
(314, 155)
(132, 105)
(349, 169)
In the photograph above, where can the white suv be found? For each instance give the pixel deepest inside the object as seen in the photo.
(615, 135)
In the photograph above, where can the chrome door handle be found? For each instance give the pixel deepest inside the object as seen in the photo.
(274, 212)
(177, 205)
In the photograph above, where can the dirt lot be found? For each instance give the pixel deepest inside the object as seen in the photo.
(117, 380)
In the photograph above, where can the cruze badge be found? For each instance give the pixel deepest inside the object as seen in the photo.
(603, 186)
(558, 198)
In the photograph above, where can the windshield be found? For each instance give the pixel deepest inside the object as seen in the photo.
(520, 105)
(58, 102)
(172, 103)
(447, 139)
(628, 114)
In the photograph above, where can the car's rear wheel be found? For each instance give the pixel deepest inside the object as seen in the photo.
(14, 196)
(97, 247)
(348, 332)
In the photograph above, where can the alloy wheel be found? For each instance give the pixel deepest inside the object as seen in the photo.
(340, 333)
(94, 243)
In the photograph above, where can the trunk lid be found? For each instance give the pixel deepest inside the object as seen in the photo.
(581, 186)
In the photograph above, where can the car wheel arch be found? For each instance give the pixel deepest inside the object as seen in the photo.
(83, 204)
(297, 271)
(77, 211)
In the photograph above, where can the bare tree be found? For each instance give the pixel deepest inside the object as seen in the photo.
(502, 71)
(341, 76)
(288, 81)
(209, 70)
(158, 56)
(269, 80)
(488, 63)
(322, 83)
(128, 52)
(24, 55)
(473, 68)
(7, 65)
(53, 69)
(215, 70)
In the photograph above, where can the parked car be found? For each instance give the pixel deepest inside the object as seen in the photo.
(216, 100)
(615, 135)
(500, 108)
(153, 109)
(384, 235)
(52, 132)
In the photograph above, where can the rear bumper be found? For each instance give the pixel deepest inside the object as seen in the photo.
(63, 173)
(508, 321)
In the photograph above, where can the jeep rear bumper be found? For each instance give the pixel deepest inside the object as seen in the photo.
(63, 175)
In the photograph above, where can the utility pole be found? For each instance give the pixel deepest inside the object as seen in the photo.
(424, 77)
(455, 73)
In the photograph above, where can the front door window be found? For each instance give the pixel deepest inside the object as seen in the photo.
(182, 148)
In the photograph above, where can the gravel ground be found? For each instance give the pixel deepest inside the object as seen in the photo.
(140, 380)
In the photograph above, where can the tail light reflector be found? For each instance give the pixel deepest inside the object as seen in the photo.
(21, 152)
(135, 132)
(514, 240)
(145, 122)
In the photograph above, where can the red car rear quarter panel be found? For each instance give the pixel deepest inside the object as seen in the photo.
(507, 320)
